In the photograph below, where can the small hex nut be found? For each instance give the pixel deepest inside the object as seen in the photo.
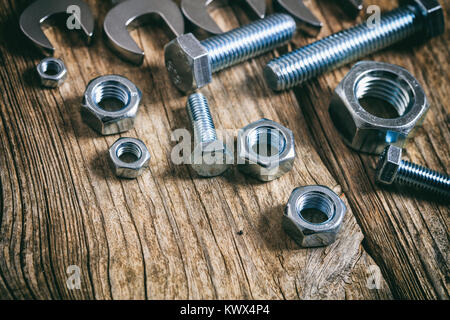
(187, 62)
(116, 87)
(310, 234)
(433, 17)
(52, 72)
(388, 164)
(130, 147)
(266, 150)
(364, 131)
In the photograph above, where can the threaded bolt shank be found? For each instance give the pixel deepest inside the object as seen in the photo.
(249, 41)
(419, 177)
(201, 120)
(210, 157)
(191, 62)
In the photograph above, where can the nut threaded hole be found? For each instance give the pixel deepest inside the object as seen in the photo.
(266, 141)
(51, 67)
(129, 152)
(111, 96)
(315, 207)
(384, 94)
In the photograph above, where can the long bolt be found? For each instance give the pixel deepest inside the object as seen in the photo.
(422, 18)
(191, 62)
(391, 169)
(210, 157)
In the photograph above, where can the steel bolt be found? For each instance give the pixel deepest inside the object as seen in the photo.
(191, 62)
(210, 157)
(392, 169)
(422, 18)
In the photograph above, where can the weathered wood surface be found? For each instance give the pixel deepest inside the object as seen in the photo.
(170, 234)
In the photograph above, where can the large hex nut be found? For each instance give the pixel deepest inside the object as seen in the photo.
(266, 150)
(115, 87)
(364, 131)
(140, 157)
(52, 72)
(187, 62)
(313, 234)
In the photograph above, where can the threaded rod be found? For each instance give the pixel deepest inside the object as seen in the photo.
(341, 48)
(419, 177)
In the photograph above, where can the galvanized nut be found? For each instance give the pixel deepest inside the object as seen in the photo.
(52, 72)
(106, 89)
(364, 131)
(266, 150)
(313, 230)
(129, 157)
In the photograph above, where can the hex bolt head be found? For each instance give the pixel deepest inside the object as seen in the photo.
(188, 63)
(392, 169)
(191, 63)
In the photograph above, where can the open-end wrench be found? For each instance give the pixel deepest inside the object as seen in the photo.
(306, 20)
(352, 7)
(132, 13)
(196, 12)
(39, 11)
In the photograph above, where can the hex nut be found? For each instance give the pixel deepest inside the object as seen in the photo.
(187, 62)
(432, 15)
(265, 150)
(309, 234)
(115, 87)
(364, 131)
(132, 147)
(52, 72)
(388, 165)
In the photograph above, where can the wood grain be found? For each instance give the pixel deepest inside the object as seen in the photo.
(172, 235)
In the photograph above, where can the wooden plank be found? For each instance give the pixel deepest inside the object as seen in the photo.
(170, 234)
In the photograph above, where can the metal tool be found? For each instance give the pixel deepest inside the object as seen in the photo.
(191, 63)
(39, 11)
(422, 19)
(211, 156)
(392, 169)
(352, 7)
(131, 13)
(306, 20)
(196, 11)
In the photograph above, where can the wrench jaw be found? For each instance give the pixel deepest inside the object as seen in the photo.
(187, 62)
(124, 45)
(133, 13)
(306, 20)
(352, 7)
(38, 13)
(196, 11)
